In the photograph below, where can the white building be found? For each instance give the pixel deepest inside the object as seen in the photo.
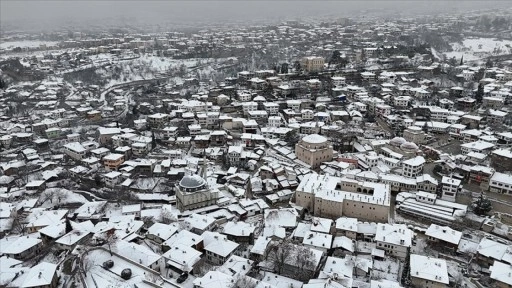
(307, 114)
(244, 96)
(438, 114)
(312, 63)
(428, 272)
(158, 120)
(249, 106)
(501, 273)
(477, 146)
(218, 248)
(234, 155)
(75, 150)
(333, 197)
(401, 101)
(319, 241)
(501, 183)
(140, 254)
(338, 81)
(450, 188)
(294, 105)
(181, 257)
(413, 167)
(274, 121)
(395, 239)
(444, 235)
(112, 178)
(271, 108)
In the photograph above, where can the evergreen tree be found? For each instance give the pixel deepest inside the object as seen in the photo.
(482, 206)
(248, 190)
(297, 66)
(425, 127)
(462, 60)
(284, 68)
(3, 84)
(69, 228)
(343, 62)
(489, 63)
(292, 138)
(153, 140)
(479, 93)
(335, 58)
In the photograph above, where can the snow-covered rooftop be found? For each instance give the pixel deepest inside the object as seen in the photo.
(427, 268)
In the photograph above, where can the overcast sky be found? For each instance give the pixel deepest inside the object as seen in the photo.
(43, 13)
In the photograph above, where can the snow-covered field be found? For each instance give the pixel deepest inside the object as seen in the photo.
(27, 44)
(388, 269)
(478, 48)
(59, 196)
(162, 64)
(150, 66)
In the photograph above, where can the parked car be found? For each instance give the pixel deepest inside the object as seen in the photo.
(182, 278)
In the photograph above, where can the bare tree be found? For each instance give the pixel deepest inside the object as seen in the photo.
(46, 195)
(280, 253)
(60, 195)
(152, 278)
(110, 239)
(148, 221)
(203, 268)
(87, 265)
(242, 281)
(304, 259)
(166, 217)
(18, 225)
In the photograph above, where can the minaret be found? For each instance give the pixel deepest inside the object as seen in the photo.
(248, 190)
(205, 166)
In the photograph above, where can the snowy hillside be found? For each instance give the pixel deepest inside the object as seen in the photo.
(479, 48)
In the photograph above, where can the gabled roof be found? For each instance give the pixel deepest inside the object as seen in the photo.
(444, 233)
(501, 272)
(431, 269)
(238, 229)
(137, 253)
(40, 275)
(17, 245)
(182, 257)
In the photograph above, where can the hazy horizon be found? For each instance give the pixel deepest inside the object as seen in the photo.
(60, 14)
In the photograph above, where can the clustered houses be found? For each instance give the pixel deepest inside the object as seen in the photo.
(292, 174)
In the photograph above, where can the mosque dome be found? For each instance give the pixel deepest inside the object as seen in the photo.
(409, 146)
(192, 183)
(397, 141)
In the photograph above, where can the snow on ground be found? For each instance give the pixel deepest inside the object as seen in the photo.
(387, 269)
(468, 246)
(97, 276)
(59, 196)
(436, 54)
(34, 53)
(478, 48)
(100, 277)
(164, 63)
(113, 210)
(26, 44)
